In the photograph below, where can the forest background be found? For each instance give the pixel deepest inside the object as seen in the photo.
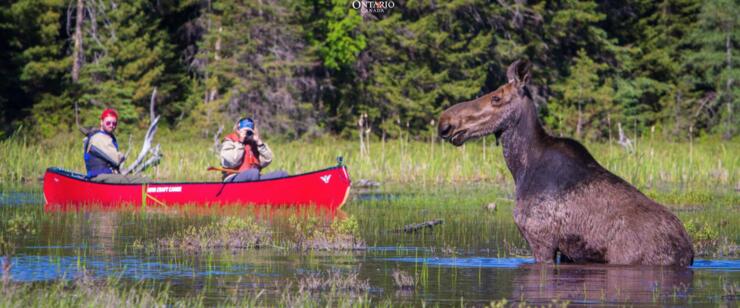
(305, 68)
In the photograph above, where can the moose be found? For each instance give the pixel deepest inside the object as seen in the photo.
(567, 205)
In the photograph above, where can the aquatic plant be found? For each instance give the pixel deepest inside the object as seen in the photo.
(310, 233)
(704, 235)
(19, 226)
(403, 280)
(226, 233)
(90, 293)
(333, 280)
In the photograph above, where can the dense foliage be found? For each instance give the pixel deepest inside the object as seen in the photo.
(323, 66)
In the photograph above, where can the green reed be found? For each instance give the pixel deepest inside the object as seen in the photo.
(706, 164)
(90, 292)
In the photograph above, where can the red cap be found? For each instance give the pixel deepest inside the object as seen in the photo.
(109, 112)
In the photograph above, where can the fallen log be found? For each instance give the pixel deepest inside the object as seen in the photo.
(416, 227)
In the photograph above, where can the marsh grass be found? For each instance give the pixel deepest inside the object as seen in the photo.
(403, 280)
(468, 228)
(316, 290)
(227, 233)
(714, 230)
(334, 281)
(297, 232)
(310, 233)
(420, 181)
(704, 165)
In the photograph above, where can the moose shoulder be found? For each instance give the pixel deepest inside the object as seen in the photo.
(565, 201)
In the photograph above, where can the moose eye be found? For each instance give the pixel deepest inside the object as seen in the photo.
(496, 100)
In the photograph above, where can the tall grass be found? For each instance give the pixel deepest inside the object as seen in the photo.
(707, 164)
(112, 293)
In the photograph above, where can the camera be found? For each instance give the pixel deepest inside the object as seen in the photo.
(250, 133)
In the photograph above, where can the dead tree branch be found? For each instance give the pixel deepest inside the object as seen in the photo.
(151, 104)
(130, 146)
(154, 154)
(154, 159)
(624, 141)
(217, 139)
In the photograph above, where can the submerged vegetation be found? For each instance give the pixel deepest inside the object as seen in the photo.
(300, 233)
(226, 233)
(310, 234)
(334, 288)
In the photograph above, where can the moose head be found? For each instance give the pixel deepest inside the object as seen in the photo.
(492, 113)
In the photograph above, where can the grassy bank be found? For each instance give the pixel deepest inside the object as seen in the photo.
(706, 164)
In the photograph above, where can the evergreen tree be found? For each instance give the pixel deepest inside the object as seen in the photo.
(11, 97)
(126, 57)
(583, 54)
(586, 98)
(657, 77)
(333, 30)
(252, 64)
(302, 66)
(44, 73)
(426, 58)
(342, 42)
(713, 63)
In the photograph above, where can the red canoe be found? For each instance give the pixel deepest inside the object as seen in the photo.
(327, 189)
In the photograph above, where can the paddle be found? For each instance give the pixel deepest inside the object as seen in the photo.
(229, 171)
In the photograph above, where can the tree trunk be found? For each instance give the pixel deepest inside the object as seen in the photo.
(728, 91)
(77, 54)
(677, 115)
(580, 120)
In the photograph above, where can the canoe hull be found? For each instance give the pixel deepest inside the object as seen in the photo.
(327, 189)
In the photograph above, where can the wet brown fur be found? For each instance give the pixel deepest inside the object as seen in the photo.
(565, 201)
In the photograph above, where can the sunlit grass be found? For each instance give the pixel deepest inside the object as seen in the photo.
(707, 164)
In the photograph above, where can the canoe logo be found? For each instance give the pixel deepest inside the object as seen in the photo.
(326, 178)
(162, 189)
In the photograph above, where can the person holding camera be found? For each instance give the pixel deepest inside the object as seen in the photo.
(244, 151)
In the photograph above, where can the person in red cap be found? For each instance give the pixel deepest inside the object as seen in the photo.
(102, 158)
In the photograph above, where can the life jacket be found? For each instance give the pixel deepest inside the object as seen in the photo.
(93, 163)
(251, 155)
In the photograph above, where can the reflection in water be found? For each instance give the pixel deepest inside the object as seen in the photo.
(467, 262)
(103, 227)
(600, 283)
(19, 198)
(116, 242)
(34, 268)
(374, 196)
(258, 211)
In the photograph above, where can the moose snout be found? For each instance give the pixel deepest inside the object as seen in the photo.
(444, 129)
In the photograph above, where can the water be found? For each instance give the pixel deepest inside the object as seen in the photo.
(475, 256)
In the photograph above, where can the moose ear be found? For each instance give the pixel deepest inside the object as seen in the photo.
(518, 72)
